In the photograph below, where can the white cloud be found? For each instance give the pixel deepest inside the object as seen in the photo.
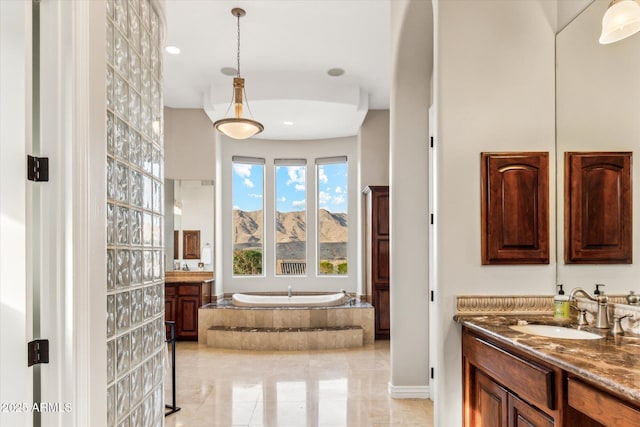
(300, 187)
(242, 169)
(322, 177)
(283, 199)
(338, 189)
(298, 203)
(248, 183)
(338, 200)
(236, 207)
(255, 196)
(296, 175)
(324, 198)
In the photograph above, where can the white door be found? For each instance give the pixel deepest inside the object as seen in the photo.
(16, 379)
(52, 243)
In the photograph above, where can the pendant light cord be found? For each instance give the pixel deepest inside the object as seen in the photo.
(238, 55)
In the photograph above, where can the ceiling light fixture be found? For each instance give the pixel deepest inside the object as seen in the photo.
(238, 127)
(621, 20)
(287, 123)
(173, 50)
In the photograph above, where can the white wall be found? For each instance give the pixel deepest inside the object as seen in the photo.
(494, 92)
(409, 202)
(598, 102)
(189, 144)
(373, 140)
(569, 9)
(373, 146)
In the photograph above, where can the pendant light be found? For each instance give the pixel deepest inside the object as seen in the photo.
(238, 127)
(621, 20)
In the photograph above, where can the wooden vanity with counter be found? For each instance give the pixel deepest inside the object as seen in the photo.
(184, 293)
(513, 378)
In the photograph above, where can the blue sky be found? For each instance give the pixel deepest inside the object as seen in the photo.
(248, 193)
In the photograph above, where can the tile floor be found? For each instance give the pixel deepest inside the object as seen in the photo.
(217, 387)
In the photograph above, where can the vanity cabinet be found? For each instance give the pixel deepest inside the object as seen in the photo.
(505, 389)
(600, 406)
(496, 406)
(505, 386)
(182, 301)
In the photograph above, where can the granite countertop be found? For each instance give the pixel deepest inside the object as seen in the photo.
(612, 363)
(188, 276)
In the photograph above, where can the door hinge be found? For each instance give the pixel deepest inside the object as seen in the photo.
(37, 352)
(431, 142)
(37, 169)
(432, 296)
(433, 372)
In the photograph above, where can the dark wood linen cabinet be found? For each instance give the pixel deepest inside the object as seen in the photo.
(377, 255)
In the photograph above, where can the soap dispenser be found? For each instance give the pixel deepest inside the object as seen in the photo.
(561, 305)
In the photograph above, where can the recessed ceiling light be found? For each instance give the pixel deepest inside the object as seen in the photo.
(335, 72)
(229, 71)
(287, 123)
(173, 50)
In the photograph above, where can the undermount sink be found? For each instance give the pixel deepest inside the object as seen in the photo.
(556, 332)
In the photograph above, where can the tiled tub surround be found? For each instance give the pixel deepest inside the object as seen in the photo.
(223, 325)
(612, 363)
(135, 245)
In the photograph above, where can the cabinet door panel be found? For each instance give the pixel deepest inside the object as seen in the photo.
(491, 404)
(598, 208)
(381, 261)
(187, 322)
(381, 214)
(191, 244)
(515, 208)
(523, 415)
(382, 315)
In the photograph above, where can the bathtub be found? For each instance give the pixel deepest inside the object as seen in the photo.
(330, 300)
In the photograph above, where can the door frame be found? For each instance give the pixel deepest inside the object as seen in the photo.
(73, 232)
(16, 387)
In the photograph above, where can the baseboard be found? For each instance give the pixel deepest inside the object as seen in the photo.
(409, 392)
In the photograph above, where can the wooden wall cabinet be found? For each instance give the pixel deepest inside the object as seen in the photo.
(377, 256)
(597, 211)
(190, 244)
(515, 208)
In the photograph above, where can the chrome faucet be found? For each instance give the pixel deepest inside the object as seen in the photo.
(289, 291)
(602, 317)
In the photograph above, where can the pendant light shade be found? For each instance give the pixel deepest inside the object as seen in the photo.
(621, 20)
(238, 127)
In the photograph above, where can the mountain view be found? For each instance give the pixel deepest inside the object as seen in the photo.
(291, 233)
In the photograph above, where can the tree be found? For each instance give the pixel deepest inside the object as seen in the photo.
(326, 267)
(247, 262)
(342, 268)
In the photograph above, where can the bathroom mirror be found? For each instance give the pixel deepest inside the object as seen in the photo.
(597, 109)
(191, 203)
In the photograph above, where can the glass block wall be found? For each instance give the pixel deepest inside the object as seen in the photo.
(135, 250)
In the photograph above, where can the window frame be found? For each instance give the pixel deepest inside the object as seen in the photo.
(226, 148)
(257, 161)
(290, 162)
